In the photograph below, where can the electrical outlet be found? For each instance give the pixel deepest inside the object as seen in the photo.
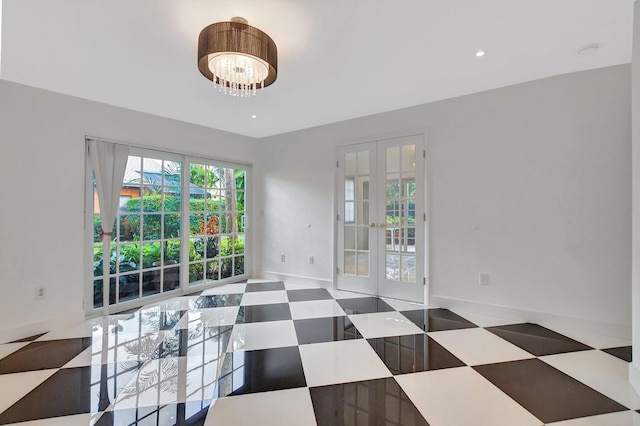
(282, 258)
(311, 260)
(483, 278)
(40, 293)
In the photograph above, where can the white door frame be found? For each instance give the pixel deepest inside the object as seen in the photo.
(338, 183)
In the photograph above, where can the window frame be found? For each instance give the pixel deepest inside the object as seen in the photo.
(186, 159)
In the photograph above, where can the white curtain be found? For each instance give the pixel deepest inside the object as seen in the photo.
(109, 162)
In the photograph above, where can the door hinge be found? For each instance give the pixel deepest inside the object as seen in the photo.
(424, 153)
(338, 164)
(337, 270)
(425, 217)
(424, 280)
(338, 217)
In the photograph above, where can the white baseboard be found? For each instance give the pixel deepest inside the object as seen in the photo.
(37, 327)
(296, 279)
(546, 319)
(634, 376)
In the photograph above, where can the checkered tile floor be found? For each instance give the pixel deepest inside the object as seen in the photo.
(269, 353)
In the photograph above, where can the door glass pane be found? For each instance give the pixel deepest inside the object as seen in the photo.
(219, 193)
(349, 263)
(363, 264)
(393, 159)
(363, 213)
(350, 237)
(349, 212)
(363, 238)
(151, 282)
(408, 269)
(349, 189)
(392, 267)
(408, 158)
(363, 163)
(128, 287)
(350, 164)
(400, 213)
(363, 188)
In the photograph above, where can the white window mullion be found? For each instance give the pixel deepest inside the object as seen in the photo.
(184, 224)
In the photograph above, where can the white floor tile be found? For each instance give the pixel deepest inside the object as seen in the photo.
(589, 338)
(383, 324)
(9, 348)
(341, 362)
(402, 305)
(484, 320)
(168, 381)
(225, 289)
(623, 418)
(95, 327)
(605, 373)
(176, 304)
(15, 386)
(76, 420)
(122, 347)
(315, 309)
(476, 346)
(262, 335)
(340, 294)
(277, 408)
(264, 297)
(213, 317)
(461, 396)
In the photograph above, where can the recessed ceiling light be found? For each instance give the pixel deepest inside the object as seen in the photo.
(480, 53)
(253, 116)
(588, 50)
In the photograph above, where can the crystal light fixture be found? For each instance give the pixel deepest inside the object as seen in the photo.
(237, 57)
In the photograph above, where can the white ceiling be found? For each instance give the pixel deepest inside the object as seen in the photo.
(338, 59)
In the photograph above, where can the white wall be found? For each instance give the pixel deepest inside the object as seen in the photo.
(42, 175)
(529, 183)
(634, 367)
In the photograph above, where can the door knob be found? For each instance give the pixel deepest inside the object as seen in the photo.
(372, 225)
(382, 225)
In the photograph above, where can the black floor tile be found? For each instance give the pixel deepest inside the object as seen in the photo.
(623, 352)
(29, 339)
(269, 286)
(371, 402)
(195, 341)
(547, 393)
(308, 294)
(332, 329)
(413, 353)
(72, 391)
(537, 340)
(262, 370)
(260, 313)
(43, 355)
(218, 300)
(437, 319)
(364, 305)
(183, 414)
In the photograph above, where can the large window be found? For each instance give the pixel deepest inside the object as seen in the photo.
(151, 243)
(216, 223)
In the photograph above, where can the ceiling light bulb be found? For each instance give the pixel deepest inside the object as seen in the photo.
(253, 116)
(480, 53)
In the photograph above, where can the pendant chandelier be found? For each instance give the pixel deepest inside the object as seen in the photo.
(237, 58)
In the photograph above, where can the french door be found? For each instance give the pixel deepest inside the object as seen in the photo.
(381, 218)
